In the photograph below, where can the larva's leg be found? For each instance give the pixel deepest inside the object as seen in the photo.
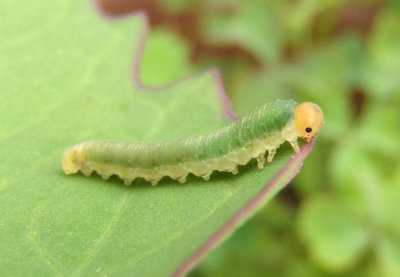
(295, 145)
(154, 182)
(206, 176)
(127, 181)
(234, 171)
(105, 176)
(182, 179)
(271, 154)
(87, 172)
(261, 161)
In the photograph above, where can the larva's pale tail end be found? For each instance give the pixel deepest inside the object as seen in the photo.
(69, 161)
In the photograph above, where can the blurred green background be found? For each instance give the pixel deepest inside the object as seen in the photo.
(341, 215)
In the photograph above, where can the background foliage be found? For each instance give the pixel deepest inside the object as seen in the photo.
(340, 215)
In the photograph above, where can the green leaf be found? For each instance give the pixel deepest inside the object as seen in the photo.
(335, 236)
(252, 26)
(381, 78)
(65, 77)
(388, 245)
(165, 59)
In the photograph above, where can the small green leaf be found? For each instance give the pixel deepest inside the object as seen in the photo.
(252, 26)
(165, 59)
(336, 237)
(381, 78)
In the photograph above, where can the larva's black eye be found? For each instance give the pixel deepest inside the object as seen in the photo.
(308, 130)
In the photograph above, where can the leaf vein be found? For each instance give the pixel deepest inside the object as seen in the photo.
(105, 234)
(45, 256)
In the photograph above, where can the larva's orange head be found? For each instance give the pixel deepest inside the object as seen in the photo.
(308, 119)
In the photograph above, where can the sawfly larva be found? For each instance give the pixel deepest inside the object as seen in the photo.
(251, 136)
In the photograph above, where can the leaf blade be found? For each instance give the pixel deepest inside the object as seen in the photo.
(52, 224)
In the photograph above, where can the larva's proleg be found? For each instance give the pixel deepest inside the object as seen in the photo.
(249, 137)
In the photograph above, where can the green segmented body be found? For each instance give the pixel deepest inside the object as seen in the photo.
(251, 136)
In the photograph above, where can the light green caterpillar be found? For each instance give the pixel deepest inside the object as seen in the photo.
(251, 136)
